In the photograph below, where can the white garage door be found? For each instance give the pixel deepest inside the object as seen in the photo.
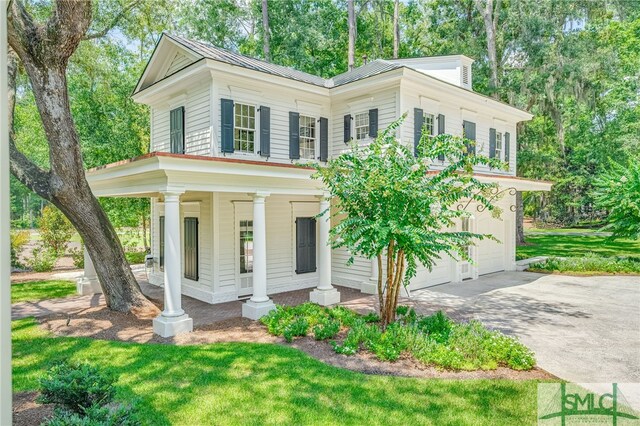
(440, 274)
(491, 254)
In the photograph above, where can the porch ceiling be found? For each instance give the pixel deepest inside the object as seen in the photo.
(154, 173)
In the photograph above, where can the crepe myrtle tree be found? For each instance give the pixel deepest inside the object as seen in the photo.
(392, 206)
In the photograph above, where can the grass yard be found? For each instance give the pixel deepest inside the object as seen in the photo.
(575, 244)
(246, 383)
(32, 291)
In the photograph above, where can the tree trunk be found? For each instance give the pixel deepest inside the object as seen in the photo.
(388, 297)
(396, 29)
(44, 50)
(490, 19)
(266, 48)
(519, 219)
(145, 241)
(352, 34)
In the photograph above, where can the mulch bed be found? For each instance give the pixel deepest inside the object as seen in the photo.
(102, 323)
(27, 412)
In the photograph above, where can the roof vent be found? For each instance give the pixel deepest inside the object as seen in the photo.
(465, 75)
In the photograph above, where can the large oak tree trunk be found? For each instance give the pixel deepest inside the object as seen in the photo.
(396, 29)
(490, 19)
(44, 50)
(519, 219)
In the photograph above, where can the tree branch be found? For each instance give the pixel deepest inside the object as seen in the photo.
(27, 172)
(113, 23)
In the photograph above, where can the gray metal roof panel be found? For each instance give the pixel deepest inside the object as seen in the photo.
(375, 67)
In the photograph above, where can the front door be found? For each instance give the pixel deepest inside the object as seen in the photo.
(245, 258)
(466, 270)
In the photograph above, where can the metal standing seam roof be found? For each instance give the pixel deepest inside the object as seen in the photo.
(208, 51)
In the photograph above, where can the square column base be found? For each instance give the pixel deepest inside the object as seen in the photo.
(170, 326)
(86, 286)
(369, 287)
(256, 310)
(325, 297)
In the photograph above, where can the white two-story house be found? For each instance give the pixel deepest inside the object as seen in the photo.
(234, 215)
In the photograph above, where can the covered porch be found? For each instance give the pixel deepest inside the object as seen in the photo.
(225, 200)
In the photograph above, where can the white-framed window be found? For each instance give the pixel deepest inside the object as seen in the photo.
(308, 137)
(246, 246)
(429, 124)
(244, 129)
(362, 126)
(499, 145)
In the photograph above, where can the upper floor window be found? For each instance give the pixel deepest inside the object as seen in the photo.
(362, 126)
(429, 124)
(245, 128)
(307, 137)
(176, 130)
(499, 145)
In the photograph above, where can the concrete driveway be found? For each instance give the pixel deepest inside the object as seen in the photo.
(582, 329)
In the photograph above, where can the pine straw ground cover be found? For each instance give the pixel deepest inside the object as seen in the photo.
(249, 383)
(433, 340)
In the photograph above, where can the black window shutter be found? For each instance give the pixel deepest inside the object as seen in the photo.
(373, 123)
(441, 131)
(161, 242)
(226, 117)
(507, 146)
(305, 245)
(191, 248)
(176, 130)
(347, 128)
(492, 143)
(469, 130)
(324, 139)
(294, 135)
(418, 122)
(265, 131)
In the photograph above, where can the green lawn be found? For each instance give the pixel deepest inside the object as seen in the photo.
(246, 383)
(38, 290)
(573, 245)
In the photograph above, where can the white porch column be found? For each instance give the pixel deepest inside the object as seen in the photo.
(259, 305)
(325, 294)
(172, 320)
(88, 283)
(370, 286)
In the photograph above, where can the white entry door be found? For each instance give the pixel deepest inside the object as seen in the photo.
(466, 269)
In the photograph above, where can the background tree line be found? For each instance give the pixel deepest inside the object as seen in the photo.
(573, 64)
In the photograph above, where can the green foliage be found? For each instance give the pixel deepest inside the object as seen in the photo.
(437, 340)
(135, 257)
(77, 255)
(18, 240)
(618, 192)
(96, 415)
(76, 387)
(326, 329)
(294, 321)
(589, 264)
(55, 230)
(33, 291)
(43, 259)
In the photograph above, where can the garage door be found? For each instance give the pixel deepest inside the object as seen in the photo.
(491, 254)
(440, 274)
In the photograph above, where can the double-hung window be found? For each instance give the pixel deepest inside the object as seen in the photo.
(246, 246)
(362, 126)
(307, 137)
(499, 145)
(244, 129)
(429, 124)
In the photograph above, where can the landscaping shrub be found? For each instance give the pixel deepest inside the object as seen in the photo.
(75, 387)
(42, 259)
(55, 230)
(326, 328)
(135, 257)
(590, 263)
(96, 415)
(77, 255)
(18, 240)
(296, 328)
